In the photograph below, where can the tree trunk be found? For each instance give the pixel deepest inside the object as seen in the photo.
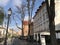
(51, 15)
(29, 18)
(29, 28)
(22, 30)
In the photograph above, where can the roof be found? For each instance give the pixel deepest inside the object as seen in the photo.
(39, 9)
(25, 22)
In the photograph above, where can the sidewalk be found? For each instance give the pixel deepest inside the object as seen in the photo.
(23, 42)
(8, 42)
(1, 43)
(16, 41)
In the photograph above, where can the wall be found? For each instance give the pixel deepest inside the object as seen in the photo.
(57, 16)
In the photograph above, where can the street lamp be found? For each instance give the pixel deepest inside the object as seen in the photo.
(9, 11)
(9, 14)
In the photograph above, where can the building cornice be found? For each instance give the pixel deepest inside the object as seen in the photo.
(39, 9)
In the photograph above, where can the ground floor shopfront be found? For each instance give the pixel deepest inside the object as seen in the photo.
(41, 37)
(44, 37)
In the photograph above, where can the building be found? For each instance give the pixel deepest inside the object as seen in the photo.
(41, 23)
(57, 18)
(2, 32)
(19, 33)
(10, 33)
(25, 28)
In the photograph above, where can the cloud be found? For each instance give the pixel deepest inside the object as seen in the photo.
(13, 2)
(26, 18)
(17, 2)
(3, 2)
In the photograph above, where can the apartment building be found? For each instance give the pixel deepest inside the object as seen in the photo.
(11, 32)
(25, 28)
(57, 18)
(2, 32)
(41, 22)
(19, 33)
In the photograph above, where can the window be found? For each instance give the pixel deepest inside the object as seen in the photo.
(40, 24)
(43, 17)
(44, 23)
(46, 16)
(0, 33)
(26, 31)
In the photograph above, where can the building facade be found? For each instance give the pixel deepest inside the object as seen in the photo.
(2, 32)
(11, 33)
(25, 28)
(41, 22)
(19, 33)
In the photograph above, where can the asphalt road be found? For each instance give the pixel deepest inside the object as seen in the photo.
(17, 41)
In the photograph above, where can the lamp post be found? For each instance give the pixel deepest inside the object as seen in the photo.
(9, 14)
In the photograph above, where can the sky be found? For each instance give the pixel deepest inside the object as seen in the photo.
(6, 4)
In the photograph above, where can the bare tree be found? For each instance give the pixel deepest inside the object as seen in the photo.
(16, 23)
(22, 12)
(30, 6)
(51, 15)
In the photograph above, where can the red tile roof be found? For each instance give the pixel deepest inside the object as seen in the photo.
(25, 22)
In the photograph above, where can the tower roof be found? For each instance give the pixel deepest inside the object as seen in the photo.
(25, 22)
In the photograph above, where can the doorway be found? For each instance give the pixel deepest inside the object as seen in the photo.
(47, 39)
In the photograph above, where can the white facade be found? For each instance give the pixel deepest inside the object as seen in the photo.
(41, 21)
(57, 17)
(2, 32)
(41, 24)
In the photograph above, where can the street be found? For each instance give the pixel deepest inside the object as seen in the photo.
(16, 41)
(23, 42)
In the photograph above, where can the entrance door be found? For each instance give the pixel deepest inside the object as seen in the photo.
(43, 42)
(38, 37)
(47, 39)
